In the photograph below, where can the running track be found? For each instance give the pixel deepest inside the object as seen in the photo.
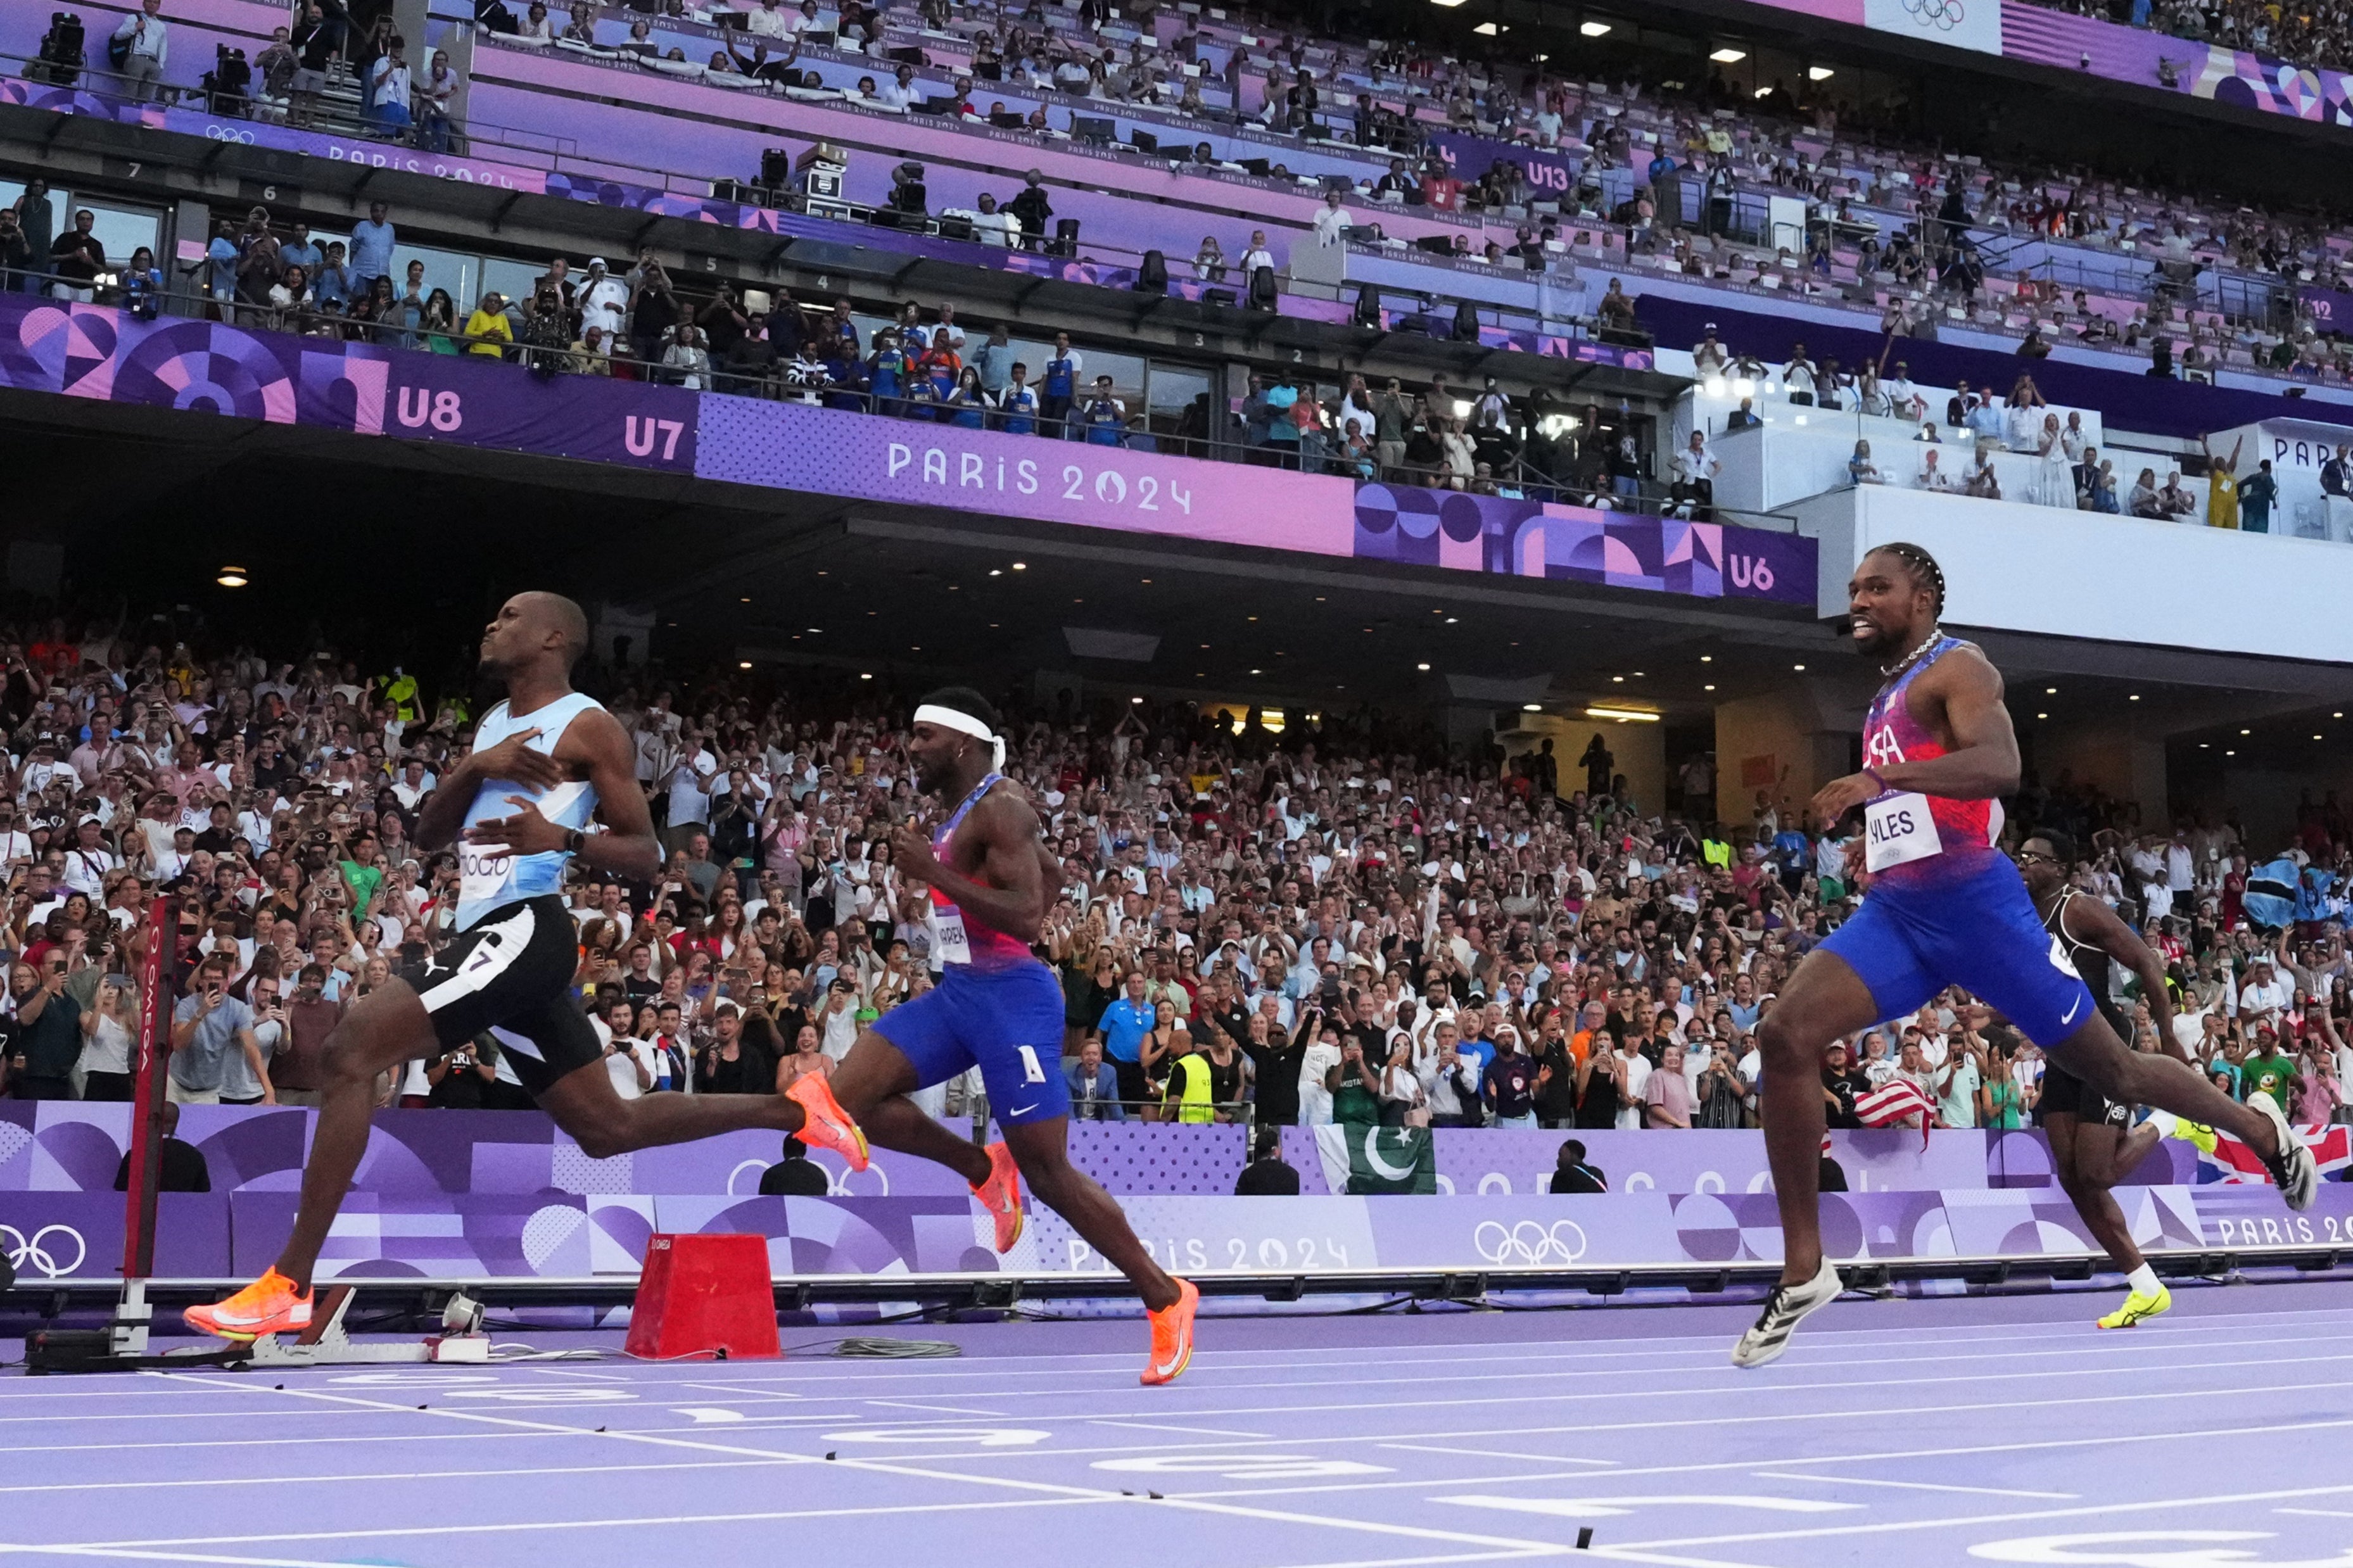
(1955, 1430)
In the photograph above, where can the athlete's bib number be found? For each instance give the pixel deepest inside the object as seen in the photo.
(1898, 828)
(948, 938)
(481, 876)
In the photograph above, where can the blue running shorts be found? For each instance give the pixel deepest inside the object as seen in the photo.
(1007, 1023)
(1979, 932)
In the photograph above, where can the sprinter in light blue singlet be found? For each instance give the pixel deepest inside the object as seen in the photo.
(546, 764)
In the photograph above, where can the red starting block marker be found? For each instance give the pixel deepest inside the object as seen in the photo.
(704, 1295)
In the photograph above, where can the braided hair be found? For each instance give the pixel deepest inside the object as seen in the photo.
(1923, 566)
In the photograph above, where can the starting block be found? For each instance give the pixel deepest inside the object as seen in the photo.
(705, 1296)
(123, 1346)
(325, 1343)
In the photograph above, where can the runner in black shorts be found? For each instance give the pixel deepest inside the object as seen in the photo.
(2094, 1143)
(545, 765)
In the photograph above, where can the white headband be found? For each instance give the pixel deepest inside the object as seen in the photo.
(964, 723)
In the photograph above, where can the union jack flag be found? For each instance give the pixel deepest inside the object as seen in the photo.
(2233, 1162)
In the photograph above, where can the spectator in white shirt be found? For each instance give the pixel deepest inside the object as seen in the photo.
(1332, 220)
(899, 91)
(388, 87)
(1257, 256)
(2264, 997)
(1696, 469)
(1904, 399)
(1798, 376)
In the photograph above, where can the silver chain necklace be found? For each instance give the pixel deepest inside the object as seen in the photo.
(1936, 635)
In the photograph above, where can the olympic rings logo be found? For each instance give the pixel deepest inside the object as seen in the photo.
(1943, 15)
(35, 1251)
(1529, 1242)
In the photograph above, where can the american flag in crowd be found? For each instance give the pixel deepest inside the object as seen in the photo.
(1899, 1100)
(2232, 1160)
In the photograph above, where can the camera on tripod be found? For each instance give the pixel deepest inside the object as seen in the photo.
(59, 61)
(228, 86)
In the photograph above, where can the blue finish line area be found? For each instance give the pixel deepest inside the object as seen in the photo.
(1959, 1429)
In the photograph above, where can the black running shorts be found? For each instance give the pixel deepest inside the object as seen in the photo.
(2065, 1094)
(511, 974)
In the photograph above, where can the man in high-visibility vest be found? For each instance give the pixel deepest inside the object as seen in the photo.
(1188, 1083)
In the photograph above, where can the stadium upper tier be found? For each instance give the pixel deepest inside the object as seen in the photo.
(1527, 198)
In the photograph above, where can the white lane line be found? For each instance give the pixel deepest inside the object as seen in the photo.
(143, 1483)
(1450, 1557)
(1053, 1490)
(2089, 1510)
(647, 1521)
(1915, 1486)
(167, 1556)
(1514, 1353)
(1724, 1379)
(1499, 1453)
(1583, 1427)
(950, 1409)
(1958, 1451)
(1730, 1385)
(1188, 1431)
(1624, 1556)
(272, 1442)
(2317, 1512)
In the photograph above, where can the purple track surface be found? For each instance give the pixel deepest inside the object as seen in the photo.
(1953, 1430)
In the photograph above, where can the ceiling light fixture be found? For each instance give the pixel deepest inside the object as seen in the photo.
(1594, 29)
(1820, 73)
(232, 577)
(1623, 715)
(1728, 55)
(1538, 708)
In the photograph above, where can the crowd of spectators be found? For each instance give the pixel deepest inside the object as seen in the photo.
(1888, 217)
(922, 364)
(1883, 211)
(1344, 922)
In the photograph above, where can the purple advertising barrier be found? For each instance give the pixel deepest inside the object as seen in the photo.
(104, 354)
(357, 151)
(790, 445)
(79, 1236)
(560, 1235)
(433, 1235)
(69, 1146)
(2238, 78)
(1540, 539)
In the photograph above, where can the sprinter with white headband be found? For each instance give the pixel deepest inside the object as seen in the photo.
(996, 1007)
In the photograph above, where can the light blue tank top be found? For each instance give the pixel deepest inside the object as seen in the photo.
(489, 881)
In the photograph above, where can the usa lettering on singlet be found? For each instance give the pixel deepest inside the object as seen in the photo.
(954, 944)
(1913, 837)
(489, 878)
